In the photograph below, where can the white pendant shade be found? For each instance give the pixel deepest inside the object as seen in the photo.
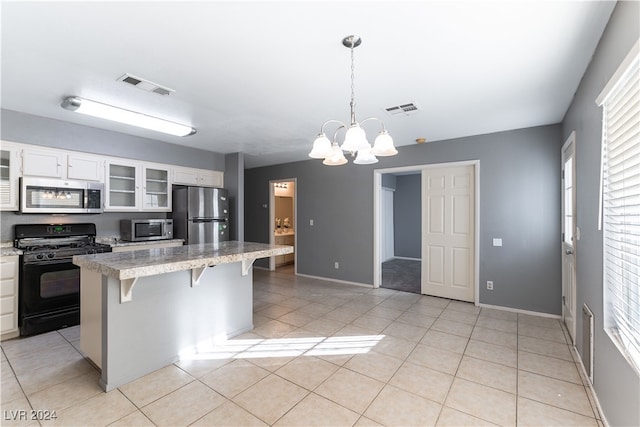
(355, 139)
(365, 157)
(383, 145)
(336, 158)
(321, 147)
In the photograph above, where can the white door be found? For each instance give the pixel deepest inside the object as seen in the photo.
(448, 232)
(388, 249)
(568, 236)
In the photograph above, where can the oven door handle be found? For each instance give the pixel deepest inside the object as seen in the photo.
(50, 262)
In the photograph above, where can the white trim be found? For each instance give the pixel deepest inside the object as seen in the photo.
(521, 311)
(272, 220)
(345, 282)
(576, 356)
(616, 78)
(407, 258)
(377, 184)
(570, 142)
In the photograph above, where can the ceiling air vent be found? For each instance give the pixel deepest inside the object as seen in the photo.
(403, 109)
(145, 85)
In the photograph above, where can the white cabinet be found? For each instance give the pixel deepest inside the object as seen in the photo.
(136, 186)
(61, 164)
(9, 297)
(41, 162)
(289, 240)
(156, 188)
(9, 172)
(122, 186)
(199, 177)
(85, 168)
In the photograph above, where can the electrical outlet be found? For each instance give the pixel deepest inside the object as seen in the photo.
(489, 285)
(311, 222)
(336, 265)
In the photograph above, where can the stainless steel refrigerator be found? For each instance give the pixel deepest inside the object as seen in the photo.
(200, 214)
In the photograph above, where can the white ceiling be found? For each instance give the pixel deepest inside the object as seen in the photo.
(261, 77)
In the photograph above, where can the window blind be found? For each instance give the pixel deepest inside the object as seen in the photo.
(621, 211)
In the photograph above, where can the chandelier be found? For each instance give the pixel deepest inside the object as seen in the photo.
(355, 138)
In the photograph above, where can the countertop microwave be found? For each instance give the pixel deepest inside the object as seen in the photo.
(138, 230)
(50, 195)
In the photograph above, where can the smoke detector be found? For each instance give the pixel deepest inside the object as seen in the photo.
(145, 85)
(403, 109)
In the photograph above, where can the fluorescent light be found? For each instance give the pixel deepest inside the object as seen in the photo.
(109, 112)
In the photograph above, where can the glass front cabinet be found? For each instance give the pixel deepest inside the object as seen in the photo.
(134, 186)
(9, 171)
(156, 189)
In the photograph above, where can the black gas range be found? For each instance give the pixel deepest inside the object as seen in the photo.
(49, 294)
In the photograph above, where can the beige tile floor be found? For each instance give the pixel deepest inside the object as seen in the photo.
(323, 354)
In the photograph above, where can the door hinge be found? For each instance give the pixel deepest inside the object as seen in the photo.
(562, 237)
(562, 173)
(564, 300)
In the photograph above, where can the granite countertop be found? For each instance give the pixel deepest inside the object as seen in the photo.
(7, 249)
(140, 263)
(115, 241)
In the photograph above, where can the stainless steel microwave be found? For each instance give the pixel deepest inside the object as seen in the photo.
(136, 230)
(50, 195)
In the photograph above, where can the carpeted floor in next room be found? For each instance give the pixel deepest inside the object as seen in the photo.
(402, 275)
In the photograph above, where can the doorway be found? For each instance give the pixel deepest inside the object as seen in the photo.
(282, 220)
(470, 253)
(401, 249)
(569, 235)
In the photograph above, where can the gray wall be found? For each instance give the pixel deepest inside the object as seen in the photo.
(234, 182)
(407, 221)
(519, 202)
(29, 129)
(615, 382)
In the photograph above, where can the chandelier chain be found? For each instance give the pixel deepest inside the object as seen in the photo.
(353, 86)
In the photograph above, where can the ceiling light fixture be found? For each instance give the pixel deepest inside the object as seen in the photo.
(109, 112)
(355, 139)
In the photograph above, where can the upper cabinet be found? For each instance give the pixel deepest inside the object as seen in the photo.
(85, 167)
(137, 186)
(9, 171)
(157, 188)
(199, 177)
(60, 164)
(122, 186)
(129, 185)
(42, 162)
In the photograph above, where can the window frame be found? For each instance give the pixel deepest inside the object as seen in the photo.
(621, 318)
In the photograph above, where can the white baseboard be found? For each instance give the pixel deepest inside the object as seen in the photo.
(519, 310)
(327, 279)
(584, 376)
(407, 258)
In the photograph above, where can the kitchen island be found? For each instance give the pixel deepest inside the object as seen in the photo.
(140, 310)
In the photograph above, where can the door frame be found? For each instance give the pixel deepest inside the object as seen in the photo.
(571, 140)
(272, 220)
(377, 216)
(384, 243)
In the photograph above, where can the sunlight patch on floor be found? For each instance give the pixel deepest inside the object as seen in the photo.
(281, 347)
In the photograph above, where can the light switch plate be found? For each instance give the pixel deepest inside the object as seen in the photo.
(497, 242)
